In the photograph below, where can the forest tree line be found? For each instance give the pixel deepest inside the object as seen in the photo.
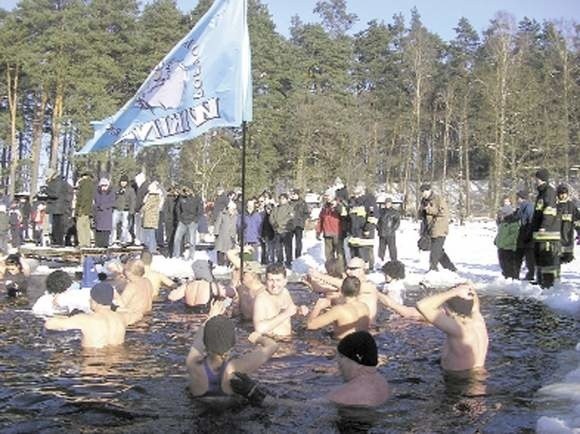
(392, 104)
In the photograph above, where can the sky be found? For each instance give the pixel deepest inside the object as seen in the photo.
(439, 16)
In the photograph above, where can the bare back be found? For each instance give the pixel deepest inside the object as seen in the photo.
(137, 299)
(469, 349)
(353, 317)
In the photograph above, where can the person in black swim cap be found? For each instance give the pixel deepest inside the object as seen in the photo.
(357, 359)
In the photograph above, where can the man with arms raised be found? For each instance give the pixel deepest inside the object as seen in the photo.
(456, 313)
(137, 298)
(368, 291)
(157, 279)
(274, 307)
(350, 316)
(101, 328)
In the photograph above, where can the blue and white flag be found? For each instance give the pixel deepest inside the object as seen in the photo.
(203, 83)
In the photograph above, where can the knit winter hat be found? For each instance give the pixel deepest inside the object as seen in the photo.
(360, 347)
(202, 270)
(562, 189)
(219, 335)
(103, 293)
(543, 174)
(124, 178)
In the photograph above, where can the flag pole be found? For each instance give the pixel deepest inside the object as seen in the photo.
(243, 219)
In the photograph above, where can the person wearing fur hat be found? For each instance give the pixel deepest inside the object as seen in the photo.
(211, 370)
(546, 231)
(104, 202)
(570, 216)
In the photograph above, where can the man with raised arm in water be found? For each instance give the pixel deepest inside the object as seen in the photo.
(456, 312)
(137, 298)
(211, 370)
(157, 279)
(368, 291)
(101, 328)
(274, 307)
(350, 316)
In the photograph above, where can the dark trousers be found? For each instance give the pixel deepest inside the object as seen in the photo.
(284, 248)
(528, 254)
(391, 242)
(547, 255)
(102, 238)
(57, 235)
(508, 264)
(268, 251)
(16, 236)
(334, 249)
(438, 256)
(221, 258)
(368, 255)
(297, 234)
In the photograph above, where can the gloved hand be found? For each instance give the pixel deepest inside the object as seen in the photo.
(248, 388)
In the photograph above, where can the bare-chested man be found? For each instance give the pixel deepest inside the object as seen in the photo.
(274, 307)
(350, 316)
(101, 328)
(157, 279)
(368, 291)
(462, 322)
(137, 298)
(251, 284)
(357, 361)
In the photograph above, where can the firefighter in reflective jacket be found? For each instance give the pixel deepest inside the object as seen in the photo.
(546, 232)
(570, 217)
(362, 225)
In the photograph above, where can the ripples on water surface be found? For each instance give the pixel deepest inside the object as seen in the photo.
(49, 384)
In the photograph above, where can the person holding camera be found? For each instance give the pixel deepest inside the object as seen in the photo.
(434, 214)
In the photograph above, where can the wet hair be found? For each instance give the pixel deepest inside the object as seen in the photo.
(136, 267)
(394, 269)
(333, 267)
(276, 269)
(102, 277)
(146, 257)
(460, 306)
(350, 286)
(58, 281)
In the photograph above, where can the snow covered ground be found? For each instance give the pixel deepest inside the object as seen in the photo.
(471, 248)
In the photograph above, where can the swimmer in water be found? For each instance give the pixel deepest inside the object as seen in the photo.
(357, 359)
(200, 292)
(250, 285)
(101, 328)
(394, 272)
(456, 313)
(212, 372)
(368, 291)
(274, 307)
(157, 279)
(350, 316)
(14, 280)
(137, 297)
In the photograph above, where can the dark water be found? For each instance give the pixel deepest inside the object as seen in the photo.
(49, 384)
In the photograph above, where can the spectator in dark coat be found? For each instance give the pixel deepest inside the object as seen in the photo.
(389, 222)
(219, 204)
(525, 247)
(57, 192)
(253, 227)
(301, 214)
(103, 211)
(4, 228)
(268, 236)
(189, 208)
